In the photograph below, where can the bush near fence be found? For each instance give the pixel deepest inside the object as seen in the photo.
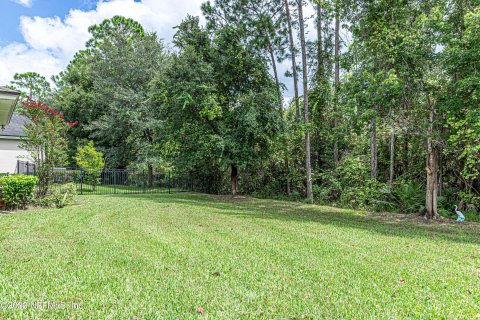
(17, 190)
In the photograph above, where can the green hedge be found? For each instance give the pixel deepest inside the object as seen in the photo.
(17, 190)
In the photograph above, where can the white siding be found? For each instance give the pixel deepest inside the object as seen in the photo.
(9, 154)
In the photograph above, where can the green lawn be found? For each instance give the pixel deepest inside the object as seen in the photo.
(162, 256)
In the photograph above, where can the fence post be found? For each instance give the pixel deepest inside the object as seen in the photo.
(169, 180)
(114, 181)
(81, 181)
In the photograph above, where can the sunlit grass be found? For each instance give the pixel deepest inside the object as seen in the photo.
(161, 256)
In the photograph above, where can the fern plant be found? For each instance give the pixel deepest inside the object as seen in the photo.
(410, 197)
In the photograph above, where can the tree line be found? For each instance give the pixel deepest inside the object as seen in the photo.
(384, 115)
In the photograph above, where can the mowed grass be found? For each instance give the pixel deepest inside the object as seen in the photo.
(164, 256)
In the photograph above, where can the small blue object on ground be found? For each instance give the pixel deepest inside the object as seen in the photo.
(460, 215)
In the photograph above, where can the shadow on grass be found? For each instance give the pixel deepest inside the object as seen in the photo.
(389, 225)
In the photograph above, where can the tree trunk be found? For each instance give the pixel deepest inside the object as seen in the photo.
(234, 179)
(440, 174)
(373, 149)
(441, 162)
(337, 84)
(308, 166)
(289, 187)
(432, 170)
(150, 176)
(294, 63)
(405, 155)
(432, 176)
(321, 82)
(392, 150)
(320, 71)
(275, 73)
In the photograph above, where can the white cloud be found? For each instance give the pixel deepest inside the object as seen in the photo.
(19, 57)
(25, 3)
(51, 42)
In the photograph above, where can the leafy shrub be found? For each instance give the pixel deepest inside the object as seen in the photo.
(445, 208)
(351, 172)
(92, 177)
(349, 184)
(410, 197)
(92, 161)
(88, 157)
(371, 195)
(470, 199)
(59, 197)
(468, 203)
(323, 193)
(472, 216)
(296, 196)
(17, 190)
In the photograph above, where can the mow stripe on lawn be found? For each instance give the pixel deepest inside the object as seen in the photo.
(164, 256)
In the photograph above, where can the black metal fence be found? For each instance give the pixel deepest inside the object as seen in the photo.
(25, 167)
(120, 181)
(113, 181)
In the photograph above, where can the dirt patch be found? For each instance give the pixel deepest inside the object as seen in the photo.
(416, 218)
(33, 208)
(229, 198)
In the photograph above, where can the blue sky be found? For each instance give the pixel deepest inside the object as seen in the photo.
(43, 35)
(11, 11)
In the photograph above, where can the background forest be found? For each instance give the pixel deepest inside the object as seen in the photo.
(385, 113)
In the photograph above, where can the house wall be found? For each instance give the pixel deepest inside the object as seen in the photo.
(10, 153)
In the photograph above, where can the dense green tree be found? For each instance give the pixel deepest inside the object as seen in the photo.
(261, 23)
(33, 85)
(461, 103)
(112, 78)
(218, 103)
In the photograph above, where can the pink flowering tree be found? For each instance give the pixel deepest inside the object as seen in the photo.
(45, 140)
